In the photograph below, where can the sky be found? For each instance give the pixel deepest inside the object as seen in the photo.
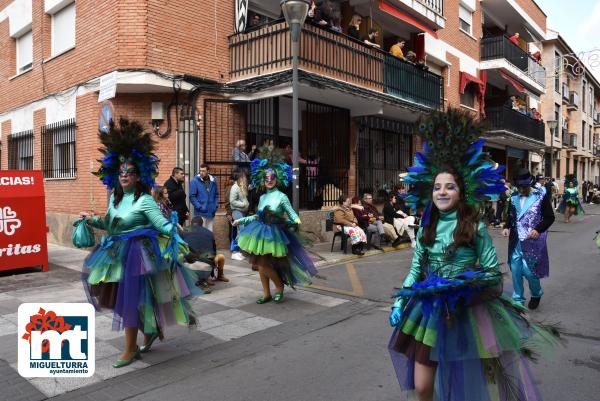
(578, 22)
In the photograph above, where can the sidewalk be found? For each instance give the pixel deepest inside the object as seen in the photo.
(228, 313)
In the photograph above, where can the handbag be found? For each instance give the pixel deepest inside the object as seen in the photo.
(83, 236)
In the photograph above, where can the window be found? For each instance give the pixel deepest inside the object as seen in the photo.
(20, 151)
(556, 72)
(465, 17)
(583, 92)
(468, 98)
(557, 119)
(63, 30)
(58, 150)
(591, 101)
(24, 52)
(583, 134)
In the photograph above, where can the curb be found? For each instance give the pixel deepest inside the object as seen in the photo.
(346, 258)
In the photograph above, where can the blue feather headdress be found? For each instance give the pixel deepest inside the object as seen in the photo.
(270, 159)
(570, 178)
(453, 139)
(127, 144)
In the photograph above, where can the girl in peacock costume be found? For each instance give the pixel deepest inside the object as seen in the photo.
(456, 336)
(570, 204)
(136, 269)
(266, 236)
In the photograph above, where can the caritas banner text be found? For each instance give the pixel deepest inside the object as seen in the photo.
(22, 220)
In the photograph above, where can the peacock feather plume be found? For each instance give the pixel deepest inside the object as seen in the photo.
(127, 143)
(570, 178)
(270, 159)
(452, 138)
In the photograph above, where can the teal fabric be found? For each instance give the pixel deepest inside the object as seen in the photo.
(464, 257)
(83, 236)
(132, 215)
(277, 203)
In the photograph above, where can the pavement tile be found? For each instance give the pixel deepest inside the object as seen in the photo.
(53, 386)
(8, 347)
(287, 311)
(230, 315)
(105, 350)
(105, 370)
(203, 308)
(312, 297)
(257, 323)
(228, 332)
(208, 322)
(7, 327)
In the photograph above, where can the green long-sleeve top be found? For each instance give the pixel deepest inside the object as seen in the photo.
(277, 203)
(442, 262)
(129, 216)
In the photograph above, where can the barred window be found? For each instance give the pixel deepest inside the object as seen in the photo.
(20, 150)
(58, 149)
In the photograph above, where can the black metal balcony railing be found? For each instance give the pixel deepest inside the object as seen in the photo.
(267, 50)
(435, 5)
(498, 47)
(507, 119)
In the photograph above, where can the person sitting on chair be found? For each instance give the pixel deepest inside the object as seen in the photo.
(349, 225)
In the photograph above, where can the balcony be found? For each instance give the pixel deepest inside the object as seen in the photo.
(573, 101)
(506, 119)
(565, 92)
(335, 56)
(498, 52)
(596, 120)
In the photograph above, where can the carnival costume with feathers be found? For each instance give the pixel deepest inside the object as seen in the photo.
(450, 313)
(267, 233)
(571, 196)
(136, 269)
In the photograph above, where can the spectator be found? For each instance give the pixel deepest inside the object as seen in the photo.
(371, 38)
(515, 39)
(364, 222)
(535, 114)
(177, 196)
(204, 195)
(336, 23)
(239, 152)
(411, 56)
(354, 27)
(590, 194)
(232, 229)
(396, 49)
(203, 248)
(400, 220)
(317, 14)
(344, 215)
(537, 56)
(161, 197)
(238, 201)
(386, 231)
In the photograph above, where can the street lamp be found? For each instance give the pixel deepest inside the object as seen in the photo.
(295, 13)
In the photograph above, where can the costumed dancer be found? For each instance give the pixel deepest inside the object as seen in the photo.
(136, 269)
(570, 204)
(456, 337)
(266, 236)
(530, 216)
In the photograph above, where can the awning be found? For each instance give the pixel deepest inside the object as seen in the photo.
(466, 78)
(385, 7)
(513, 82)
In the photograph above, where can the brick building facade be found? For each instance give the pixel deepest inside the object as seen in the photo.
(215, 86)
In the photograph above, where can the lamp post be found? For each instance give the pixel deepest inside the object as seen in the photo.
(295, 13)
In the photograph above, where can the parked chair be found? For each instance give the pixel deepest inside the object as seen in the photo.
(343, 236)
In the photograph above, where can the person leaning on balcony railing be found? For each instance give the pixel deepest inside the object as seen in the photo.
(371, 38)
(396, 50)
(515, 39)
(354, 27)
(317, 14)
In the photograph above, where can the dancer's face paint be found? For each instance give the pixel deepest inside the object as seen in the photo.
(270, 179)
(446, 192)
(128, 176)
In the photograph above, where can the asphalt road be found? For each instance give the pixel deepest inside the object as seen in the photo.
(340, 353)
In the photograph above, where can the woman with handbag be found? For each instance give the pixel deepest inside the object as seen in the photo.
(137, 269)
(344, 216)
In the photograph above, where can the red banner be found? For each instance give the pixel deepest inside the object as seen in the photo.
(22, 220)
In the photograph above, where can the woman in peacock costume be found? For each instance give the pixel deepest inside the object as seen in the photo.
(570, 204)
(136, 269)
(456, 336)
(266, 236)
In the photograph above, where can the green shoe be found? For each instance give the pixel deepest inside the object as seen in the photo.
(263, 300)
(124, 362)
(145, 348)
(278, 297)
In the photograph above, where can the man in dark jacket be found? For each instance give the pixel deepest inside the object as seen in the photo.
(203, 248)
(530, 216)
(177, 194)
